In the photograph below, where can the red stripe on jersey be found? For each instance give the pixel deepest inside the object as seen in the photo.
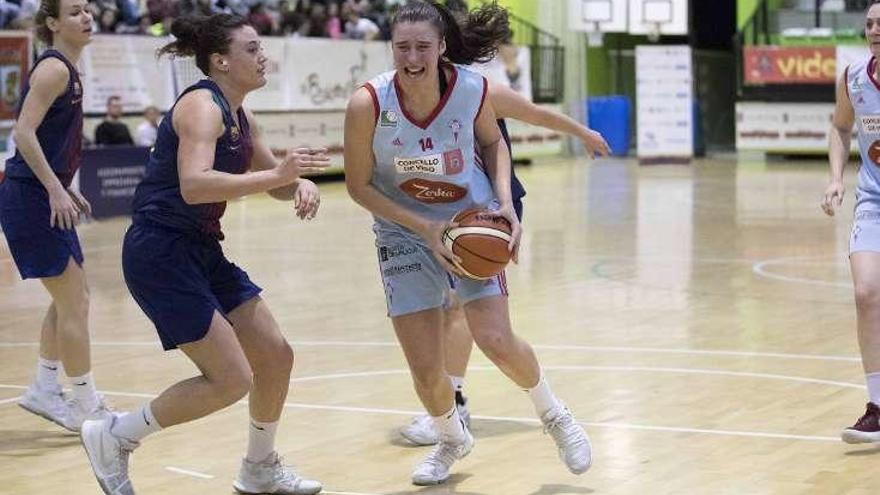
(482, 99)
(373, 94)
(442, 103)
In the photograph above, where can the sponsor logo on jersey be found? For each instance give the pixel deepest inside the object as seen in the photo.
(429, 191)
(870, 124)
(453, 162)
(397, 142)
(388, 118)
(428, 164)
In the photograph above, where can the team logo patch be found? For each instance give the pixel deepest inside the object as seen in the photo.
(455, 126)
(429, 191)
(428, 164)
(388, 118)
(234, 134)
(874, 152)
(453, 162)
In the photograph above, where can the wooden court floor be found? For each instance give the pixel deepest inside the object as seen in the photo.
(698, 320)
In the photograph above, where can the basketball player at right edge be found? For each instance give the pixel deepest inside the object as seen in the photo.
(858, 101)
(431, 109)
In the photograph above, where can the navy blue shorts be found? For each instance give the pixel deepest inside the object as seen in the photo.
(180, 279)
(39, 250)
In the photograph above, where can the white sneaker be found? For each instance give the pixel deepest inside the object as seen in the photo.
(47, 403)
(421, 429)
(434, 470)
(76, 415)
(570, 437)
(108, 455)
(271, 476)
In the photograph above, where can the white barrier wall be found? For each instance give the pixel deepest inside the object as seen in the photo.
(309, 84)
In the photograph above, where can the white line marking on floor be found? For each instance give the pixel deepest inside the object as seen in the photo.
(550, 347)
(187, 472)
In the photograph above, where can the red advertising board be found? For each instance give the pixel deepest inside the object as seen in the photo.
(15, 59)
(789, 65)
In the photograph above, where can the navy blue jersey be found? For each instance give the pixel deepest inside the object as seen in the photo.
(157, 199)
(60, 133)
(517, 191)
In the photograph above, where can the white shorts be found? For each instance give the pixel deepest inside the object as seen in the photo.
(415, 281)
(865, 235)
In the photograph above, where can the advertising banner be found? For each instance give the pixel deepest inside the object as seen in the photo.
(789, 64)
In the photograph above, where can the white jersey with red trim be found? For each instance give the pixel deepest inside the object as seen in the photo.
(430, 167)
(864, 93)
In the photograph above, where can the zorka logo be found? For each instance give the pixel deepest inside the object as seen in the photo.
(428, 191)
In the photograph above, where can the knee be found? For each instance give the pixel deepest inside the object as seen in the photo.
(73, 307)
(494, 344)
(236, 384)
(867, 297)
(275, 363)
(283, 358)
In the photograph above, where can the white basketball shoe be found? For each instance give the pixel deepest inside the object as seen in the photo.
(47, 403)
(271, 476)
(434, 469)
(571, 439)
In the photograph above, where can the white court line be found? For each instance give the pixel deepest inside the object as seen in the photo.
(9, 401)
(553, 347)
(187, 472)
(759, 268)
(746, 374)
(574, 368)
(331, 492)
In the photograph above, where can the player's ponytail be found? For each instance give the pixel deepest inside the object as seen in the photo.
(200, 36)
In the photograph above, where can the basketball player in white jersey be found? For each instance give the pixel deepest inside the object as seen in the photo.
(412, 138)
(858, 102)
(508, 104)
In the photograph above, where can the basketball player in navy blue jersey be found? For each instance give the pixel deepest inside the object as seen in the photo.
(175, 268)
(458, 342)
(412, 138)
(39, 212)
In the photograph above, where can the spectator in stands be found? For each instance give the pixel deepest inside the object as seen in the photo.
(356, 26)
(112, 130)
(197, 7)
(159, 10)
(108, 20)
(317, 21)
(260, 20)
(146, 132)
(334, 23)
(8, 14)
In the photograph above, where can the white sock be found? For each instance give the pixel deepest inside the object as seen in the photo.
(47, 373)
(457, 382)
(136, 425)
(873, 381)
(450, 426)
(84, 391)
(542, 397)
(261, 440)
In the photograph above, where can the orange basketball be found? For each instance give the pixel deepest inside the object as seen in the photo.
(480, 240)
